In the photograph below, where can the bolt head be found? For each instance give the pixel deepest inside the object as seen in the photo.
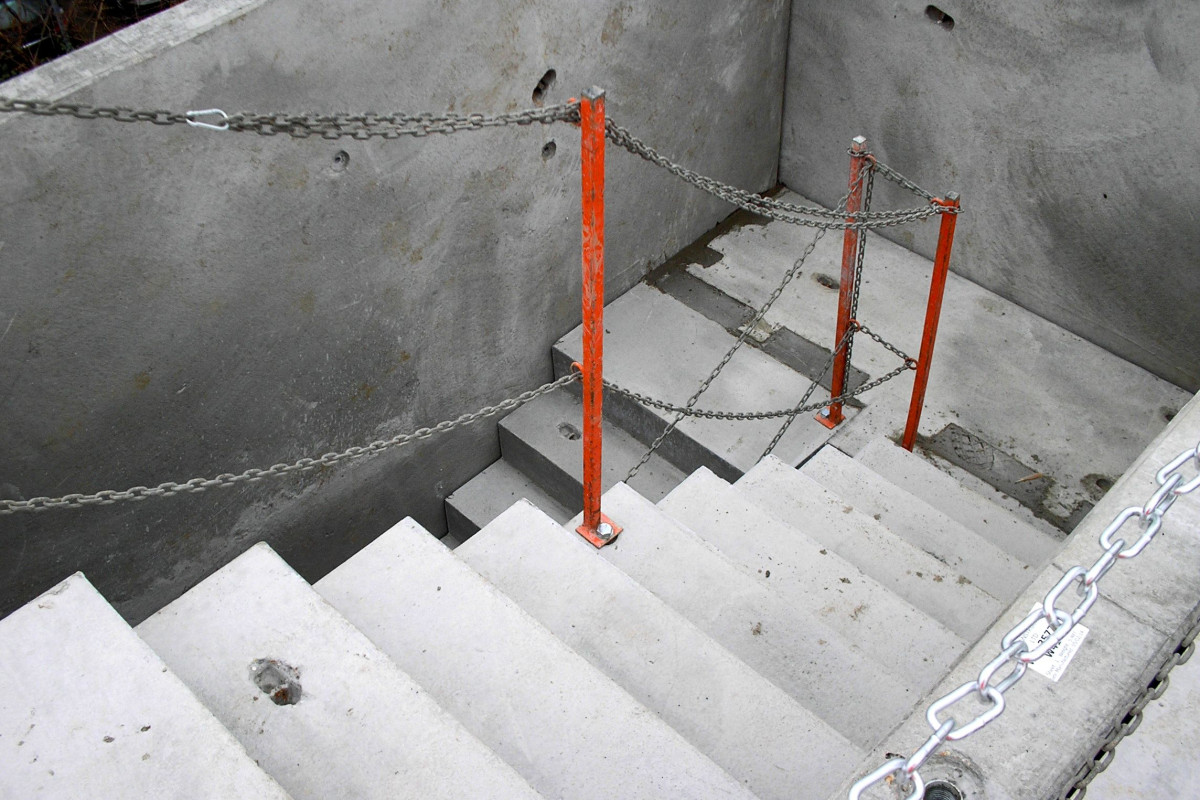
(604, 530)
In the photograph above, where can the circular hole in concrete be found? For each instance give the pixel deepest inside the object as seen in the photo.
(942, 790)
(548, 150)
(1103, 483)
(1168, 413)
(828, 281)
(341, 159)
(939, 17)
(568, 431)
(543, 86)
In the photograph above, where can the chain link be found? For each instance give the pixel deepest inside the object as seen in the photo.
(742, 337)
(825, 219)
(108, 496)
(1015, 652)
(303, 126)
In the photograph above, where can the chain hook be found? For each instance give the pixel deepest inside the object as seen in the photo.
(192, 120)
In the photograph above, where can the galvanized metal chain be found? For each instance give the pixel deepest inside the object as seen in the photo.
(108, 497)
(895, 177)
(860, 257)
(809, 216)
(742, 337)
(303, 126)
(844, 344)
(749, 416)
(1015, 655)
(1077, 787)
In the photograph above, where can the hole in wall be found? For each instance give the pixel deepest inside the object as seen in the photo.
(1168, 413)
(828, 281)
(569, 431)
(341, 159)
(939, 17)
(543, 86)
(548, 150)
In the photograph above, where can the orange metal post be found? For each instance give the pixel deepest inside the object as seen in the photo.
(596, 528)
(933, 313)
(832, 416)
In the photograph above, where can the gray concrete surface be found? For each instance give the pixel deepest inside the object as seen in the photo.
(483, 498)
(816, 580)
(360, 727)
(186, 303)
(510, 681)
(88, 710)
(735, 716)
(830, 519)
(857, 696)
(1146, 605)
(962, 550)
(970, 509)
(1069, 128)
(660, 347)
(1059, 404)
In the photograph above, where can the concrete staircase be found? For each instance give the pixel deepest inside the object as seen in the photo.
(757, 630)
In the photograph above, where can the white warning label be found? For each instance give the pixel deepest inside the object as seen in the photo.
(1055, 662)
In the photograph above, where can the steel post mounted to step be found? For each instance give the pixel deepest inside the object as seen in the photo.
(598, 529)
(933, 313)
(832, 416)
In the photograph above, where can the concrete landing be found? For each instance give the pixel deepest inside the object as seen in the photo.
(88, 710)
(736, 717)
(1058, 404)
(657, 346)
(511, 682)
(351, 725)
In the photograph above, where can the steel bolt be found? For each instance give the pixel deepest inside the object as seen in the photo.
(604, 530)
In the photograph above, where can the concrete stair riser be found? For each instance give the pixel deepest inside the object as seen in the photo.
(488, 494)
(818, 581)
(908, 571)
(566, 728)
(361, 727)
(88, 710)
(855, 695)
(542, 439)
(735, 716)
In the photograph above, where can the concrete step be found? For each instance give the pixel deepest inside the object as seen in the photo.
(671, 364)
(970, 509)
(483, 498)
(907, 570)
(567, 728)
(816, 580)
(859, 698)
(959, 548)
(88, 710)
(738, 718)
(543, 440)
(329, 715)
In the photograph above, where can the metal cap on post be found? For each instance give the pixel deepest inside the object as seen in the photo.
(832, 415)
(598, 529)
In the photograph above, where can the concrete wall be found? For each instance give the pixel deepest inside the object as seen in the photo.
(1069, 127)
(183, 303)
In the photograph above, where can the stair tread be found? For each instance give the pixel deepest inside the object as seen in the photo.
(919, 523)
(910, 572)
(484, 497)
(857, 696)
(821, 582)
(737, 717)
(88, 710)
(510, 681)
(532, 439)
(362, 727)
(968, 508)
(671, 364)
